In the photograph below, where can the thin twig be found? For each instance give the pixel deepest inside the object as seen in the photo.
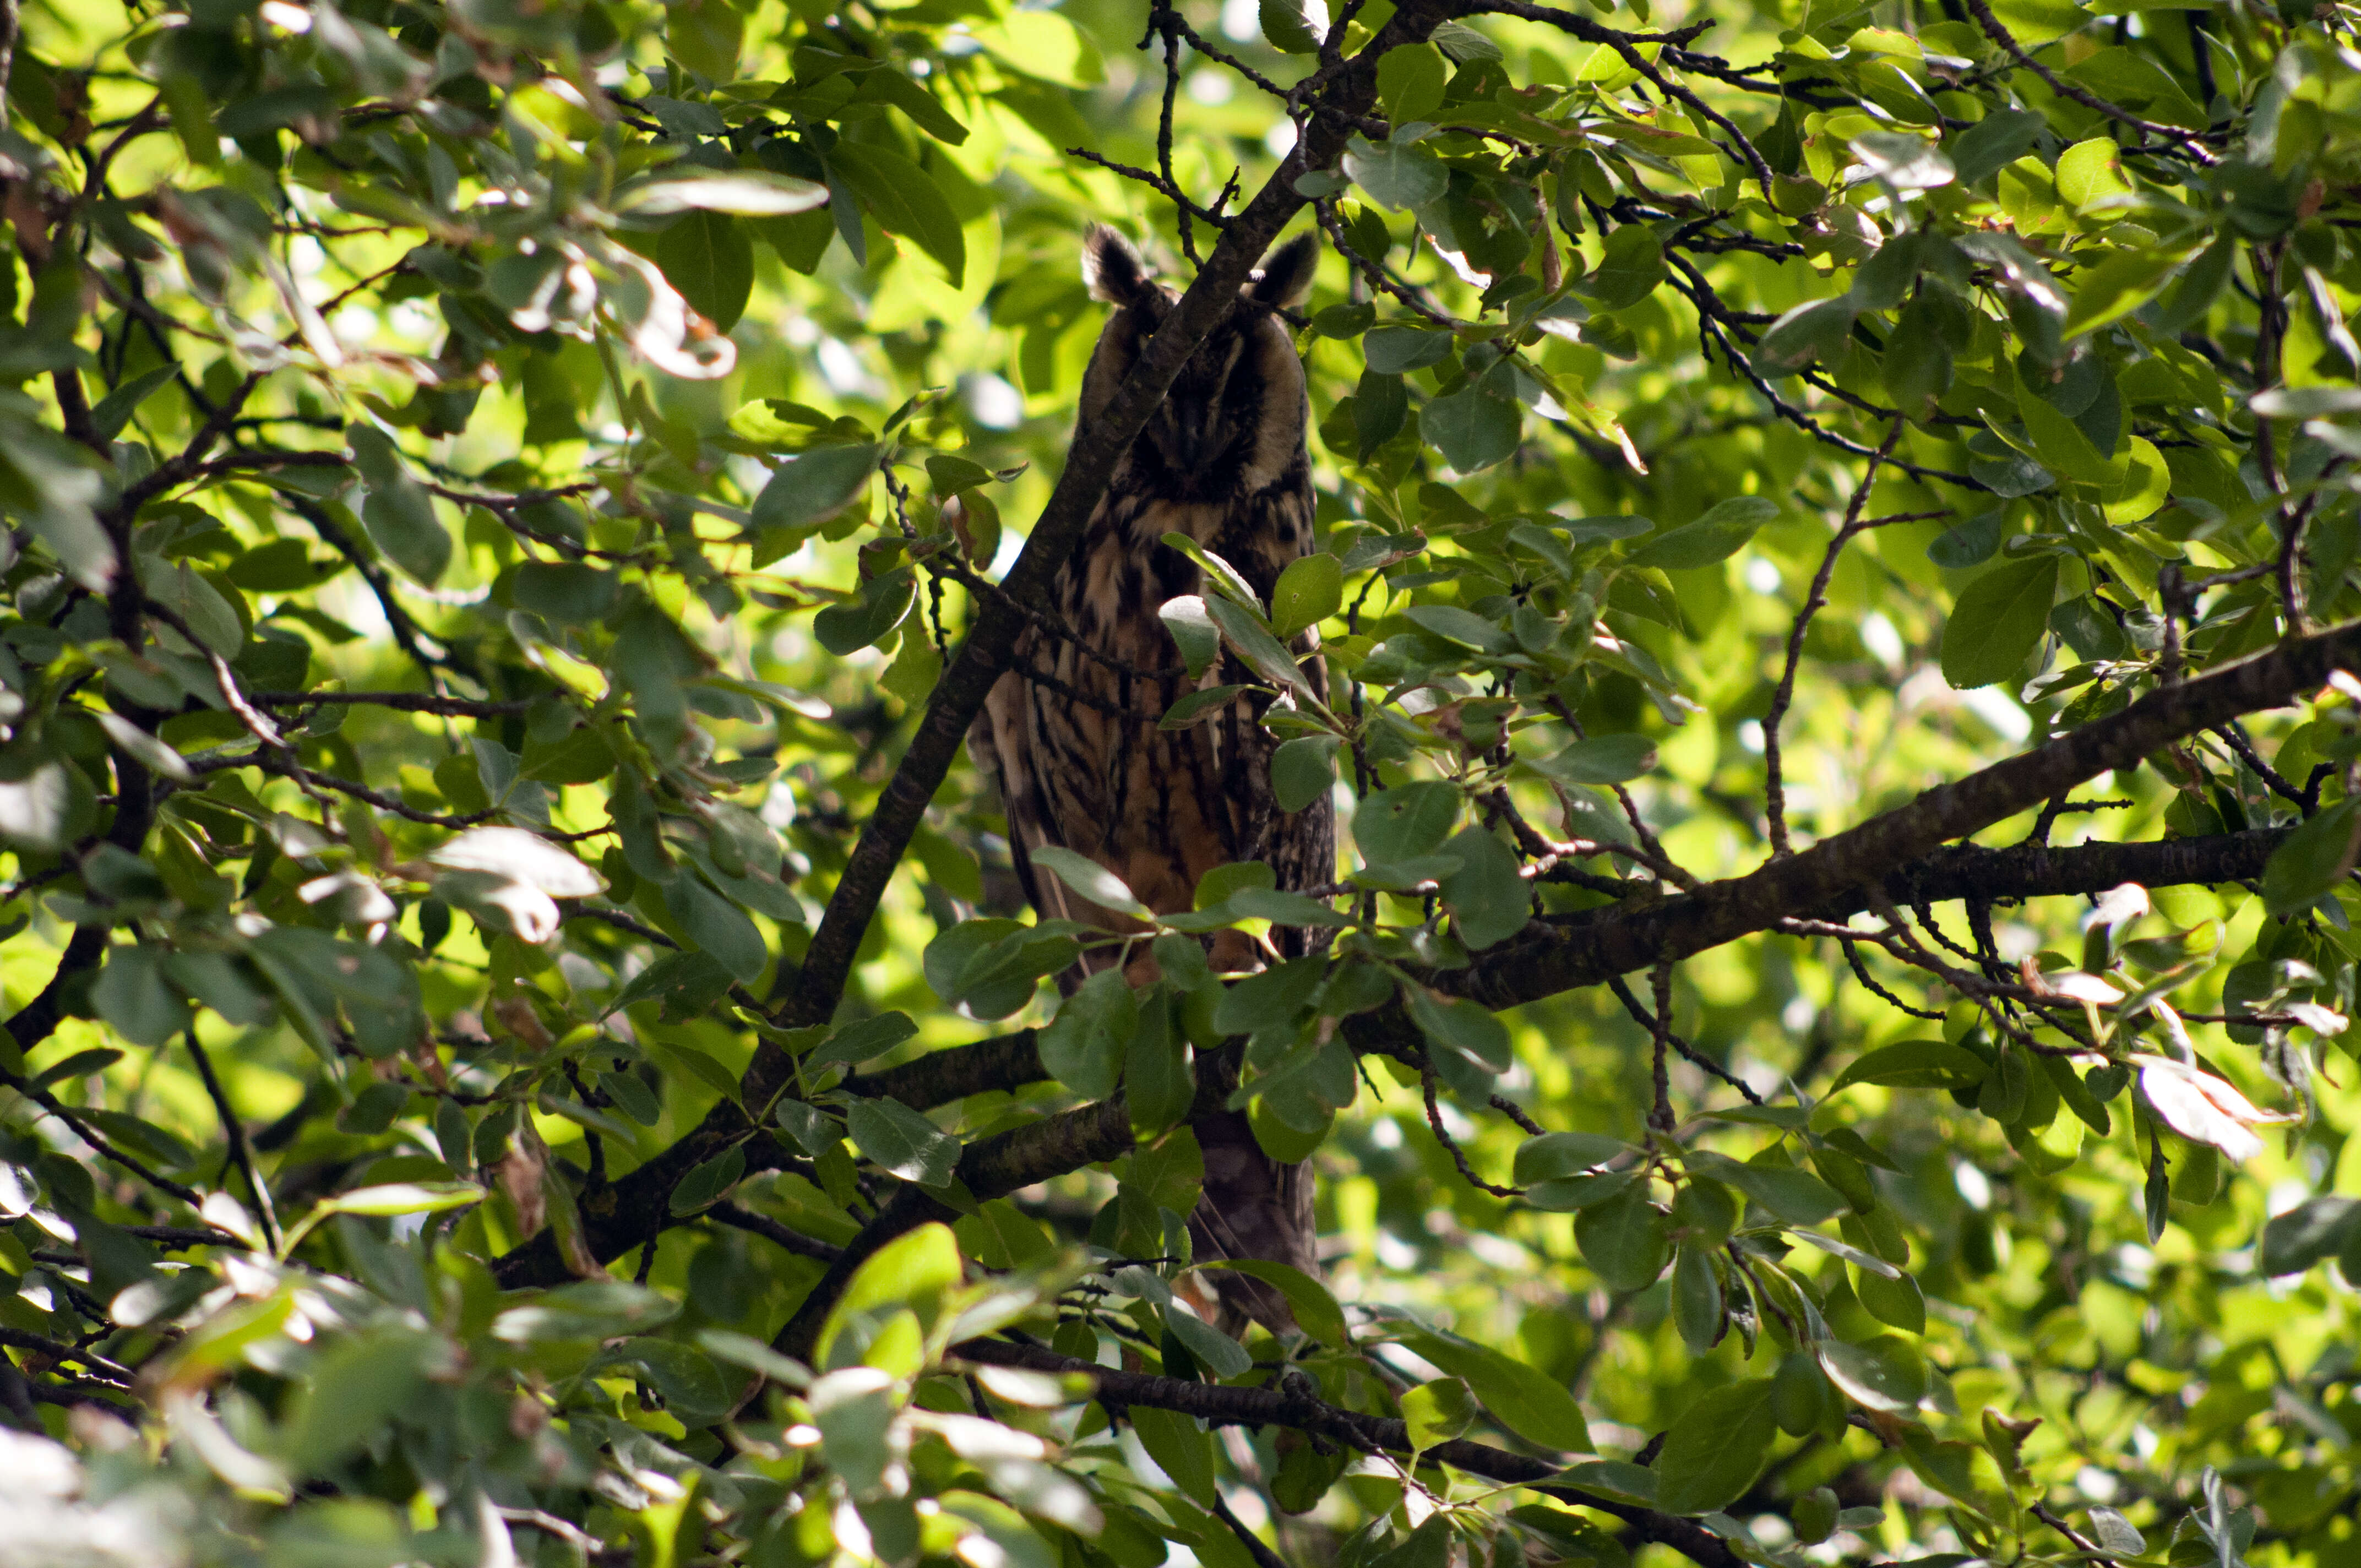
(2187, 140)
(1426, 1081)
(240, 1151)
(1660, 1116)
(1775, 790)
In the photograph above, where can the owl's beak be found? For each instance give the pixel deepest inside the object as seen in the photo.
(1188, 434)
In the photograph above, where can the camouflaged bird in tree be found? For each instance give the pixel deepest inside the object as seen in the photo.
(1071, 733)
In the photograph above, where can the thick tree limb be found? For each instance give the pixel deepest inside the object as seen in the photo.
(1966, 871)
(1280, 1407)
(990, 1168)
(1619, 940)
(1006, 1061)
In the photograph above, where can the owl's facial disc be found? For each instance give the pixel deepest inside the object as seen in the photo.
(1193, 426)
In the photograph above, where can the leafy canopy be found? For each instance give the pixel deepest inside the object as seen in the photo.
(1837, 542)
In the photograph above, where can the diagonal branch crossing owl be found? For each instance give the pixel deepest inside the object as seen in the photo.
(1070, 732)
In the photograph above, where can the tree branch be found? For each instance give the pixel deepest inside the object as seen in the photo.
(1224, 1405)
(1006, 1061)
(1588, 947)
(989, 1168)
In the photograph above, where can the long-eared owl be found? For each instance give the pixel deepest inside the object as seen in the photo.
(1071, 731)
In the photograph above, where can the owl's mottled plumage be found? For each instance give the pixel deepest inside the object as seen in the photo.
(1221, 460)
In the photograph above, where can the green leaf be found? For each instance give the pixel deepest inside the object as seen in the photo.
(1474, 427)
(1271, 998)
(399, 512)
(1895, 1301)
(1428, 1546)
(179, 587)
(1290, 26)
(1089, 878)
(1815, 330)
(1464, 627)
(1396, 175)
(1601, 759)
(2059, 442)
(896, 1138)
(135, 999)
(1404, 823)
(1380, 409)
(1411, 83)
(1885, 1374)
(114, 409)
(1795, 1196)
(2091, 175)
(2314, 1229)
(1463, 1026)
(1310, 591)
(1623, 1240)
(1572, 1194)
(887, 85)
(2310, 862)
(1550, 1155)
(749, 193)
(814, 486)
(1438, 1412)
(1998, 622)
(1192, 631)
(1198, 707)
(2306, 402)
(2000, 138)
(1082, 1047)
(569, 591)
(1916, 1064)
(1721, 532)
(1628, 270)
(1303, 770)
(705, 1185)
(1263, 652)
(1714, 1449)
(709, 258)
(718, 928)
(2116, 286)
(1182, 1449)
(1968, 543)
(905, 199)
(1158, 1085)
(1214, 1351)
(1397, 350)
(384, 1200)
(81, 1064)
(1488, 901)
(843, 629)
(1220, 576)
(1697, 1298)
(1314, 1307)
(1902, 160)
(1525, 1399)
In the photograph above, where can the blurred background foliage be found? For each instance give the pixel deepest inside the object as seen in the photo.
(492, 487)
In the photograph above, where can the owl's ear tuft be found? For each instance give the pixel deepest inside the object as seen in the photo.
(1113, 271)
(1285, 275)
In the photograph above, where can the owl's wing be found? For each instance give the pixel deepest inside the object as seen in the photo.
(996, 743)
(1003, 740)
(1253, 1207)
